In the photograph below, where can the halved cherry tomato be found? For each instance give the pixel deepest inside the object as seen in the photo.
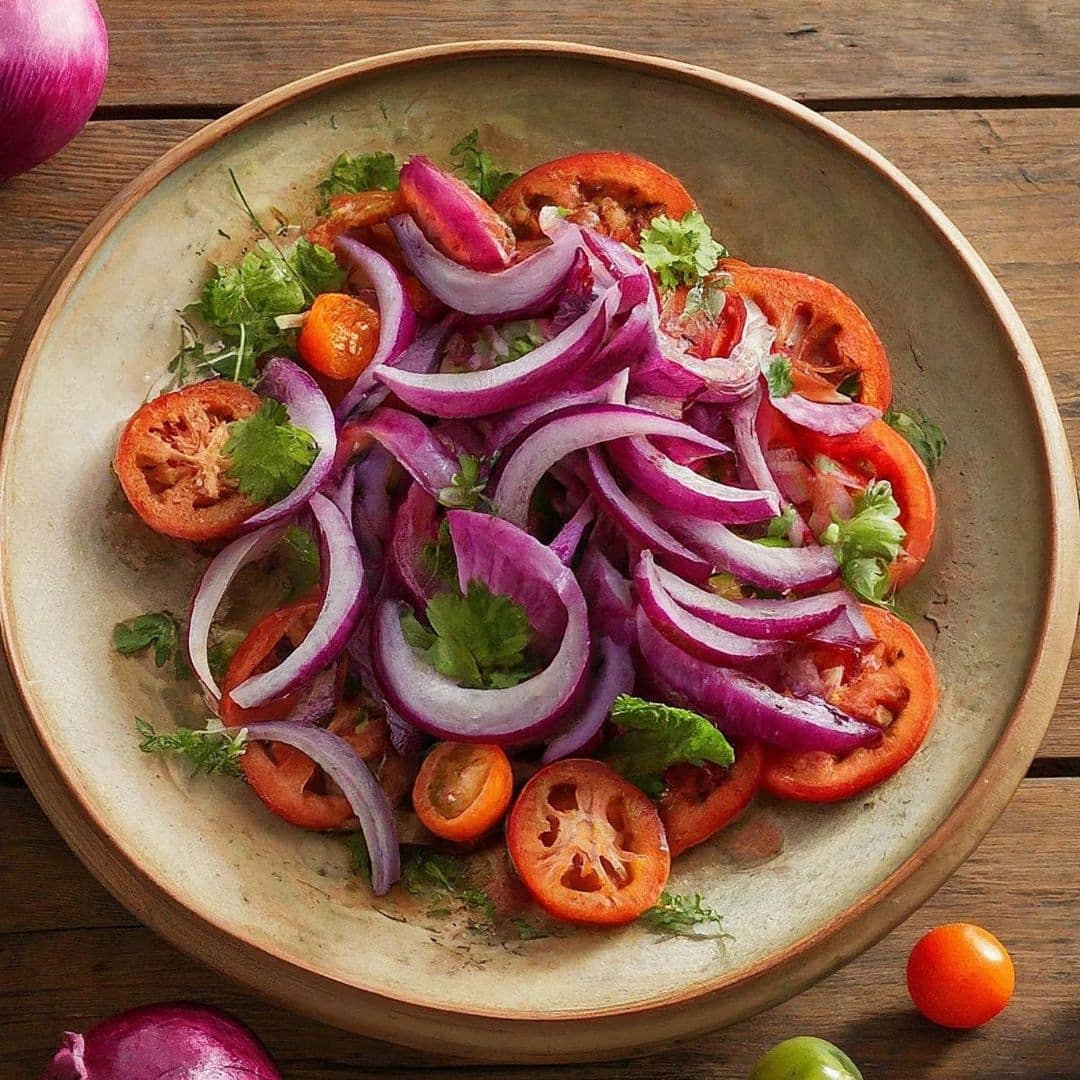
(355, 211)
(960, 976)
(700, 800)
(617, 194)
(339, 336)
(171, 465)
(895, 684)
(707, 337)
(463, 790)
(588, 844)
(823, 330)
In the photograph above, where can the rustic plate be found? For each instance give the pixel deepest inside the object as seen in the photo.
(803, 889)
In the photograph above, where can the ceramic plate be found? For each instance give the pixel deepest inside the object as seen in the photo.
(802, 889)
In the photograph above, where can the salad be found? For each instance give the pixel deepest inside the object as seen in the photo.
(534, 523)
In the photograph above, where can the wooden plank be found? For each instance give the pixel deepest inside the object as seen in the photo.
(202, 52)
(1028, 863)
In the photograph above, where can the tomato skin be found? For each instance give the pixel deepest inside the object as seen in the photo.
(619, 194)
(339, 336)
(899, 673)
(699, 802)
(357, 210)
(805, 1058)
(960, 976)
(476, 775)
(169, 461)
(570, 814)
(835, 332)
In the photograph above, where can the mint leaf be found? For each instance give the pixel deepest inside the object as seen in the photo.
(927, 439)
(778, 375)
(680, 252)
(267, 455)
(477, 169)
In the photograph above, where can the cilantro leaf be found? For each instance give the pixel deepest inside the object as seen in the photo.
(316, 267)
(680, 916)
(477, 169)
(208, 751)
(851, 385)
(655, 736)
(681, 252)
(222, 648)
(778, 530)
(156, 628)
(705, 297)
(927, 439)
(437, 556)
(526, 931)
(377, 171)
(300, 560)
(268, 456)
(467, 486)
(778, 375)
(478, 640)
(359, 859)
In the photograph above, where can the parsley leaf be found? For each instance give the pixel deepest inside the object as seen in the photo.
(437, 556)
(477, 169)
(777, 532)
(467, 486)
(443, 877)
(478, 640)
(377, 171)
(300, 560)
(681, 252)
(157, 629)
(706, 297)
(268, 456)
(680, 916)
(316, 267)
(778, 375)
(208, 751)
(655, 736)
(526, 931)
(927, 439)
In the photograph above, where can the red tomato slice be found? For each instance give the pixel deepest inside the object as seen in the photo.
(617, 194)
(463, 790)
(588, 845)
(821, 328)
(895, 681)
(699, 801)
(170, 463)
(708, 337)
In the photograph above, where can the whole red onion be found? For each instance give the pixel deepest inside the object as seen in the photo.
(53, 59)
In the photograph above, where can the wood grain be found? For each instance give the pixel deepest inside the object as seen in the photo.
(832, 51)
(1029, 863)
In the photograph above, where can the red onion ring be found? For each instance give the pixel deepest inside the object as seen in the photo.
(566, 544)
(413, 445)
(414, 528)
(611, 602)
(830, 418)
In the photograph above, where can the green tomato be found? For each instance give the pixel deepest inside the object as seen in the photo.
(805, 1058)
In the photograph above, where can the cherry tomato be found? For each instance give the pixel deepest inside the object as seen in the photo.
(339, 336)
(960, 976)
(463, 790)
(588, 845)
(707, 336)
(805, 1058)
(354, 211)
(617, 194)
(827, 336)
(700, 800)
(894, 683)
(171, 465)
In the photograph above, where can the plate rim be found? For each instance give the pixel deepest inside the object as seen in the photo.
(613, 1030)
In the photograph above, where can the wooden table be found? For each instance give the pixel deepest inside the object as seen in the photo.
(980, 104)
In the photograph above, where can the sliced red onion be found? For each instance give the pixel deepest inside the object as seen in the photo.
(308, 410)
(536, 374)
(792, 475)
(743, 706)
(343, 601)
(829, 419)
(347, 769)
(566, 544)
(757, 618)
(524, 288)
(449, 210)
(343, 492)
(397, 320)
(414, 528)
(570, 430)
(849, 630)
(692, 634)
(215, 580)
(407, 740)
(317, 702)
(610, 599)
(411, 442)
(614, 676)
(370, 513)
(635, 522)
(513, 715)
(780, 569)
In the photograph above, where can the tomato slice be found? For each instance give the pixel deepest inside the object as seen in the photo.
(617, 194)
(355, 211)
(707, 336)
(588, 845)
(339, 336)
(824, 331)
(700, 800)
(895, 682)
(463, 790)
(170, 463)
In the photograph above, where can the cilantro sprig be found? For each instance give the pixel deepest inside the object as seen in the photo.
(350, 173)
(680, 252)
(926, 437)
(208, 751)
(778, 375)
(444, 879)
(680, 916)
(476, 168)
(267, 455)
(466, 487)
(157, 630)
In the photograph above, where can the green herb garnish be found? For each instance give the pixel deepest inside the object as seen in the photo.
(300, 560)
(680, 252)
(351, 173)
(476, 168)
(268, 456)
(778, 375)
(680, 916)
(207, 751)
(158, 630)
(927, 439)
(466, 488)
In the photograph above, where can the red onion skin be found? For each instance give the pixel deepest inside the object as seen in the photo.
(173, 1041)
(53, 58)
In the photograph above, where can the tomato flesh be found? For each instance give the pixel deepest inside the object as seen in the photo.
(356, 210)
(463, 790)
(706, 337)
(339, 336)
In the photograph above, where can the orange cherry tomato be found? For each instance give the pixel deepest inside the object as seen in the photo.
(588, 845)
(821, 328)
(463, 790)
(617, 194)
(171, 464)
(960, 976)
(339, 336)
(355, 211)
(700, 800)
(894, 683)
